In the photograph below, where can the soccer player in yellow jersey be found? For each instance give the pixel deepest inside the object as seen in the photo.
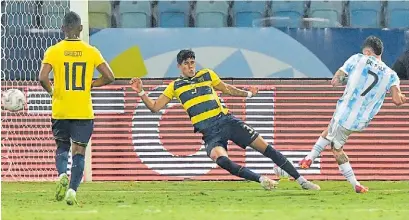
(196, 92)
(73, 63)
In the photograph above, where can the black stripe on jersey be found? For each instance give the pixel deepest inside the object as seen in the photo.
(206, 123)
(193, 93)
(186, 81)
(202, 107)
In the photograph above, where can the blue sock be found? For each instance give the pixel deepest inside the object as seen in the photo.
(281, 161)
(237, 170)
(77, 171)
(61, 156)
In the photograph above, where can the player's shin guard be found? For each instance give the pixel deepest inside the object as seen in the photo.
(77, 171)
(61, 156)
(237, 170)
(281, 161)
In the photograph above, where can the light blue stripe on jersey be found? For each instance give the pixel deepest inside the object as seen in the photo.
(357, 92)
(369, 97)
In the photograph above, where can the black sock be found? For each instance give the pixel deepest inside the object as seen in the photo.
(237, 170)
(281, 161)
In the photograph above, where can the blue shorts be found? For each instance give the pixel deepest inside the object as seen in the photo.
(79, 131)
(228, 128)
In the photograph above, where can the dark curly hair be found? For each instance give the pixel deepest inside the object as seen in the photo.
(374, 43)
(184, 55)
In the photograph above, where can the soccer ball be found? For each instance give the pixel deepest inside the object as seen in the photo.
(280, 173)
(13, 100)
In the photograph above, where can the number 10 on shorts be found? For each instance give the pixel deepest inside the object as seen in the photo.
(71, 79)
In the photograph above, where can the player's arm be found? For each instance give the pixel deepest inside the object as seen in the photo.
(228, 89)
(45, 70)
(44, 77)
(234, 91)
(153, 105)
(397, 97)
(340, 78)
(107, 76)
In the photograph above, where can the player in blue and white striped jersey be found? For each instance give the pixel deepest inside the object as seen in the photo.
(367, 81)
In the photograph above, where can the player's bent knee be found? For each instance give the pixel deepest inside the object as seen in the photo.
(77, 149)
(217, 152)
(63, 144)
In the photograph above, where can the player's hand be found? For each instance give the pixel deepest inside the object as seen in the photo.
(403, 98)
(253, 90)
(136, 84)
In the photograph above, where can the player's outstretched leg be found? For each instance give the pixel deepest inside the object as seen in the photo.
(319, 146)
(61, 161)
(346, 169)
(219, 155)
(77, 171)
(280, 160)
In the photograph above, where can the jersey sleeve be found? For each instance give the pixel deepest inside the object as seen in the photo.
(48, 57)
(170, 91)
(350, 64)
(214, 77)
(393, 80)
(98, 58)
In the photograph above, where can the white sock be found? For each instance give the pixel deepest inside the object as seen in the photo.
(317, 149)
(348, 173)
(301, 180)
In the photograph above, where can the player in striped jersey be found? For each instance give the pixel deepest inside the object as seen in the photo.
(367, 81)
(196, 92)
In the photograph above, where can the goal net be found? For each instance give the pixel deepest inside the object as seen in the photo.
(27, 146)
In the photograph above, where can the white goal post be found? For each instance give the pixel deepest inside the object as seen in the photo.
(81, 7)
(28, 27)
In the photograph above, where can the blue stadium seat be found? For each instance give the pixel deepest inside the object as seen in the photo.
(99, 13)
(20, 15)
(211, 14)
(245, 12)
(329, 10)
(173, 13)
(134, 14)
(287, 13)
(365, 14)
(397, 14)
(53, 13)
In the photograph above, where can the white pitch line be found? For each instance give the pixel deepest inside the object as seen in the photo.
(216, 190)
(64, 211)
(354, 210)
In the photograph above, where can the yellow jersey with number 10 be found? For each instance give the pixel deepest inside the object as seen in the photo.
(73, 63)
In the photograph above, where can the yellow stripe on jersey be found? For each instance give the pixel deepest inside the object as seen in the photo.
(205, 115)
(197, 100)
(198, 97)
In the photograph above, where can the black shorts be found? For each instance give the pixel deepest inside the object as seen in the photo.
(79, 131)
(228, 128)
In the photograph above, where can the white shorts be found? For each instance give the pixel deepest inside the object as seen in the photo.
(337, 134)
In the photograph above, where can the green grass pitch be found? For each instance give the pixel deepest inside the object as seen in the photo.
(194, 200)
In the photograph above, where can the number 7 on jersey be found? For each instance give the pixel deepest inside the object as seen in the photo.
(72, 78)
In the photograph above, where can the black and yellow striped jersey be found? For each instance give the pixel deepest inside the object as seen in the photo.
(198, 97)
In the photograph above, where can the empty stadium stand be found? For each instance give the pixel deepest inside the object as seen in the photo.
(365, 14)
(173, 13)
(168, 14)
(330, 11)
(133, 14)
(397, 14)
(287, 13)
(247, 12)
(211, 14)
